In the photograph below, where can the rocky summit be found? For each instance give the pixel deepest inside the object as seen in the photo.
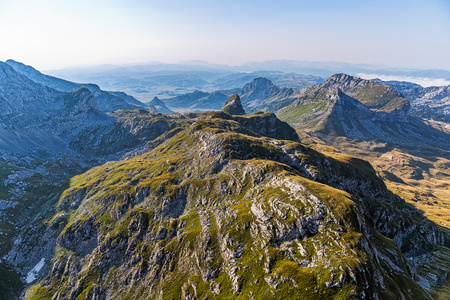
(159, 106)
(233, 106)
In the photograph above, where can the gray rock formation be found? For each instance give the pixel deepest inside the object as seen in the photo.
(233, 106)
(364, 110)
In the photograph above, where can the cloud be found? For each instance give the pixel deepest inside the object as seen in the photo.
(423, 81)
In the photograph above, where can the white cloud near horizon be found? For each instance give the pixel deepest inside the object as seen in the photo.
(423, 81)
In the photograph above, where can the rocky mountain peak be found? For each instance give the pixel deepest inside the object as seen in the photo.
(344, 81)
(4, 69)
(376, 96)
(158, 105)
(9, 74)
(257, 84)
(340, 77)
(255, 93)
(22, 68)
(233, 106)
(156, 101)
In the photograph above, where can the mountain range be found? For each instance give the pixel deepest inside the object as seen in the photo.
(360, 109)
(373, 121)
(167, 81)
(145, 81)
(48, 135)
(259, 94)
(107, 101)
(105, 203)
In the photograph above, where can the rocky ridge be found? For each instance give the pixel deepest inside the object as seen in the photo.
(107, 101)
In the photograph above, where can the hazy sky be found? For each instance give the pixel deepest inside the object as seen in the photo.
(51, 34)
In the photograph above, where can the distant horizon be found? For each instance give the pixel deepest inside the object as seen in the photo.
(198, 62)
(402, 73)
(65, 34)
(421, 80)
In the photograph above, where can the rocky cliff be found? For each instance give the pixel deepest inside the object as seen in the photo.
(48, 136)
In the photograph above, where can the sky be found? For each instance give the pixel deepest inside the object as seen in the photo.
(53, 34)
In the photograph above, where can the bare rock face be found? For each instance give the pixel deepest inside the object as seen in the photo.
(51, 130)
(233, 106)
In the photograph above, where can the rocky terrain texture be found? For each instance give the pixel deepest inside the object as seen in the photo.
(233, 106)
(231, 206)
(215, 205)
(35, 117)
(432, 103)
